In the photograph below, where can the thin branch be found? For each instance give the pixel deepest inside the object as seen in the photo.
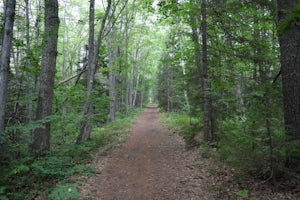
(275, 79)
(100, 34)
(72, 77)
(125, 4)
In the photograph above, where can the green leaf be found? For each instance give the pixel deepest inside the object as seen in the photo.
(18, 170)
(2, 197)
(67, 191)
(2, 194)
(242, 193)
(293, 16)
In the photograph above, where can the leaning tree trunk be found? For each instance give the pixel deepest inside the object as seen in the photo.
(86, 127)
(290, 71)
(41, 137)
(5, 56)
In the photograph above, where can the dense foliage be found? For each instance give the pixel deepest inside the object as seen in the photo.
(215, 65)
(25, 176)
(245, 90)
(122, 83)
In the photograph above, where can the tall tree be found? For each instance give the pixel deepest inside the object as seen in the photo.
(41, 138)
(28, 61)
(5, 56)
(206, 84)
(111, 43)
(290, 71)
(85, 127)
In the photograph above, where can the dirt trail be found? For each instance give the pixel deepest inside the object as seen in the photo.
(152, 164)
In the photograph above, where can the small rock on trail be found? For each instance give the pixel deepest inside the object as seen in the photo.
(152, 164)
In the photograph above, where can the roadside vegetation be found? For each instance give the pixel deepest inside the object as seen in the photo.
(52, 176)
(231, 172)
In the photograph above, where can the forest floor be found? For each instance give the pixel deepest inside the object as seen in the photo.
(154, 164)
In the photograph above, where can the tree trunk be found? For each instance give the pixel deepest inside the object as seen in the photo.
(142, 92)
(5, 57)
(127, 80)
(136, 87)
(131, 82)
(290, 71)
(111, 41)
(196, 41)
(86, 127)
(168, 87)
(2, 20)
(206, 85)
(182, 64)
(41, 137)
(28, 63)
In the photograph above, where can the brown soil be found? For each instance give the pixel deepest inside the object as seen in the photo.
(152, 164)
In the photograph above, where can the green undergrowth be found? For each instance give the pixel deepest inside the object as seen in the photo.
(188, 127)
(51, 176)
(249, 149)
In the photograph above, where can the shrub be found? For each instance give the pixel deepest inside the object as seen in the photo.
(64, 192)
(188, 127)
(26, 176)
(2, 194)
(249, 146)
(53, 167)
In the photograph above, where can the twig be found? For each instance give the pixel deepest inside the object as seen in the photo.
(275, 79)
(70, 78)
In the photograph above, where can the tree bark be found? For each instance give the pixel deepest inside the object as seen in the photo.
(86, 127)
(206, 84)
(197, 49)
(41, 137)
(2, 20)
(142, 92)
(5, 57)
(131, 82)
(182, 64)
(28, 63)
(290, 71)
(127, 79)
(112, 77)
(137, 56)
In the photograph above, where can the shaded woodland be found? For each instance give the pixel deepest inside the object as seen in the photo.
(226, 71)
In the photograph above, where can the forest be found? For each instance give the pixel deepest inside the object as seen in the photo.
(75, 74)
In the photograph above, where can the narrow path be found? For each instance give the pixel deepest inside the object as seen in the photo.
(152, 164)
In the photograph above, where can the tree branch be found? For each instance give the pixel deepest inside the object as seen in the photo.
(108, 31)
(275, 79)
(72, 77)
